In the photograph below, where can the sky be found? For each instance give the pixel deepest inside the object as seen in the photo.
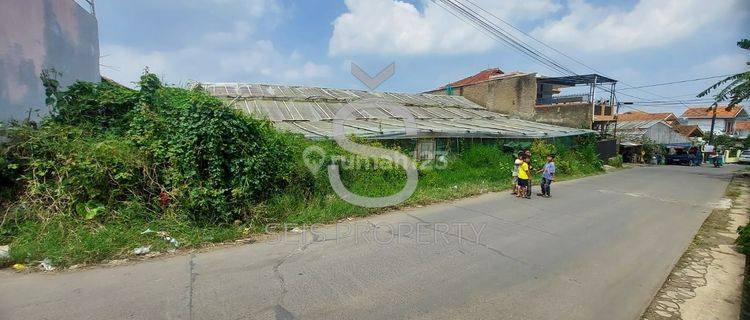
(314, 42)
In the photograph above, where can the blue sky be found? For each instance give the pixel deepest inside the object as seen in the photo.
(312, 42)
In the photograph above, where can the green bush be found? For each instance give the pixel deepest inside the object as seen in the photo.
(110, 162)
(62, 166)
(213, 160)
(482, 156)
(743, 241)
(106, 147)
(615, 161)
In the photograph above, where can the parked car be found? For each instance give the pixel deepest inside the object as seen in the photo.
(681, 158)
(745, 157)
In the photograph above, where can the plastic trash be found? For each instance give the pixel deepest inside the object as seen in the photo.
(46, 265)
(142, 250)
(19, 267)
(4, 252)
(173, 241)
(164, 235)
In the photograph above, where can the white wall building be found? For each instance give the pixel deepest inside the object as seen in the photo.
(725, 118)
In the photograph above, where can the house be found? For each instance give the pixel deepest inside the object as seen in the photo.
(632, 134)
(512, 93)
(689, 130)
(742, 129)
(38, 35)
(654, 130)
(440, 120)
(528, 96)
(582, 110)
(667, 117)
(725, 118)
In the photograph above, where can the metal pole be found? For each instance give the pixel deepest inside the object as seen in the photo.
(617, 111)
(713, 123)
(593, 108)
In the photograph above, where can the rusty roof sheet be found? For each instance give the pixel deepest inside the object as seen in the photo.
(313, 111)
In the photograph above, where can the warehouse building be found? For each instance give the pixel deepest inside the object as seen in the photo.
(440, 121)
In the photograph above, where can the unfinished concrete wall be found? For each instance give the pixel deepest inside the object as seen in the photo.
(513, 95)
(42, 34)
(574, 115)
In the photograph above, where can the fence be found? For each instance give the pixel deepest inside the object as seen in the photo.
(564, 99)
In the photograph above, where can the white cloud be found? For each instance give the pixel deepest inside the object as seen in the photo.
(397, 27)
(725, 64)
(234, 54)
(256, 61)
(650, 23)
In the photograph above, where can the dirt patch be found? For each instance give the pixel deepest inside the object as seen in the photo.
(707, 281)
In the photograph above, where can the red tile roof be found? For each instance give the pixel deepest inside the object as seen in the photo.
(707, 112)
(689, 130)
(483, 75)
(645, 116)
(742, 126)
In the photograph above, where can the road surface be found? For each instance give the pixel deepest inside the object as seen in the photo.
(599, 249)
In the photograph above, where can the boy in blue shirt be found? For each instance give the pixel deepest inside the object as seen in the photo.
(548, 175)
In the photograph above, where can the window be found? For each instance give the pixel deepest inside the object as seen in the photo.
(598, 109)
(426, 150)
(728, 126)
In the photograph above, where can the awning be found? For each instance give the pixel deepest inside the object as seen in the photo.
(630, 144)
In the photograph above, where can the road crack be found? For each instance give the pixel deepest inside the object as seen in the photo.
(193, 275)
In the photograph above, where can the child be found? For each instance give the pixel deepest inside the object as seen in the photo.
(516, 164)
(527, 153)
(548, 175)
(523, 178)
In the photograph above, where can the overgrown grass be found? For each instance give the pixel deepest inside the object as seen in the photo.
(112, 163)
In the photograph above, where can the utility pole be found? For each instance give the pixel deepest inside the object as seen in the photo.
(617, 112)
(713, 123)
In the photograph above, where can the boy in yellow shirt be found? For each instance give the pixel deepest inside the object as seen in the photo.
(523, 177)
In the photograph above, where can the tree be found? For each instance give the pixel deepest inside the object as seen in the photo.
(736, 87)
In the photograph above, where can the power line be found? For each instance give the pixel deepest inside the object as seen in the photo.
(499, 33)
(556, 50)
(490, 34)
(676, 82)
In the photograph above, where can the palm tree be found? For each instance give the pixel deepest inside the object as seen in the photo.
(736, 89)
(737, 86)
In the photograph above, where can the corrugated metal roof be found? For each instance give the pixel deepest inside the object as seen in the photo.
(312, 112)
(637, 124)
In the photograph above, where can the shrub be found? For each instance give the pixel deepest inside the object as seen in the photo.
(106, 147)
(743, 241)
(615, 161)
(212, 160)
(482, 156)
(62, 166)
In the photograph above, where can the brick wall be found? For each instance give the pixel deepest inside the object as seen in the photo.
(574, 115)
(514, 95)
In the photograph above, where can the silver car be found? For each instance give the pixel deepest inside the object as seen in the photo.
(745, 157)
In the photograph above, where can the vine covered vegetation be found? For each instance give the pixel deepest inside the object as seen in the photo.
(108, 162)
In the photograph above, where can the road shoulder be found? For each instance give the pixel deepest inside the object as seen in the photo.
(706, 282)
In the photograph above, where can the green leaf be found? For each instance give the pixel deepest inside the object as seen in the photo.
(89, 210)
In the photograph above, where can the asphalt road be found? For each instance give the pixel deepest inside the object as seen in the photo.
(599, 249)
